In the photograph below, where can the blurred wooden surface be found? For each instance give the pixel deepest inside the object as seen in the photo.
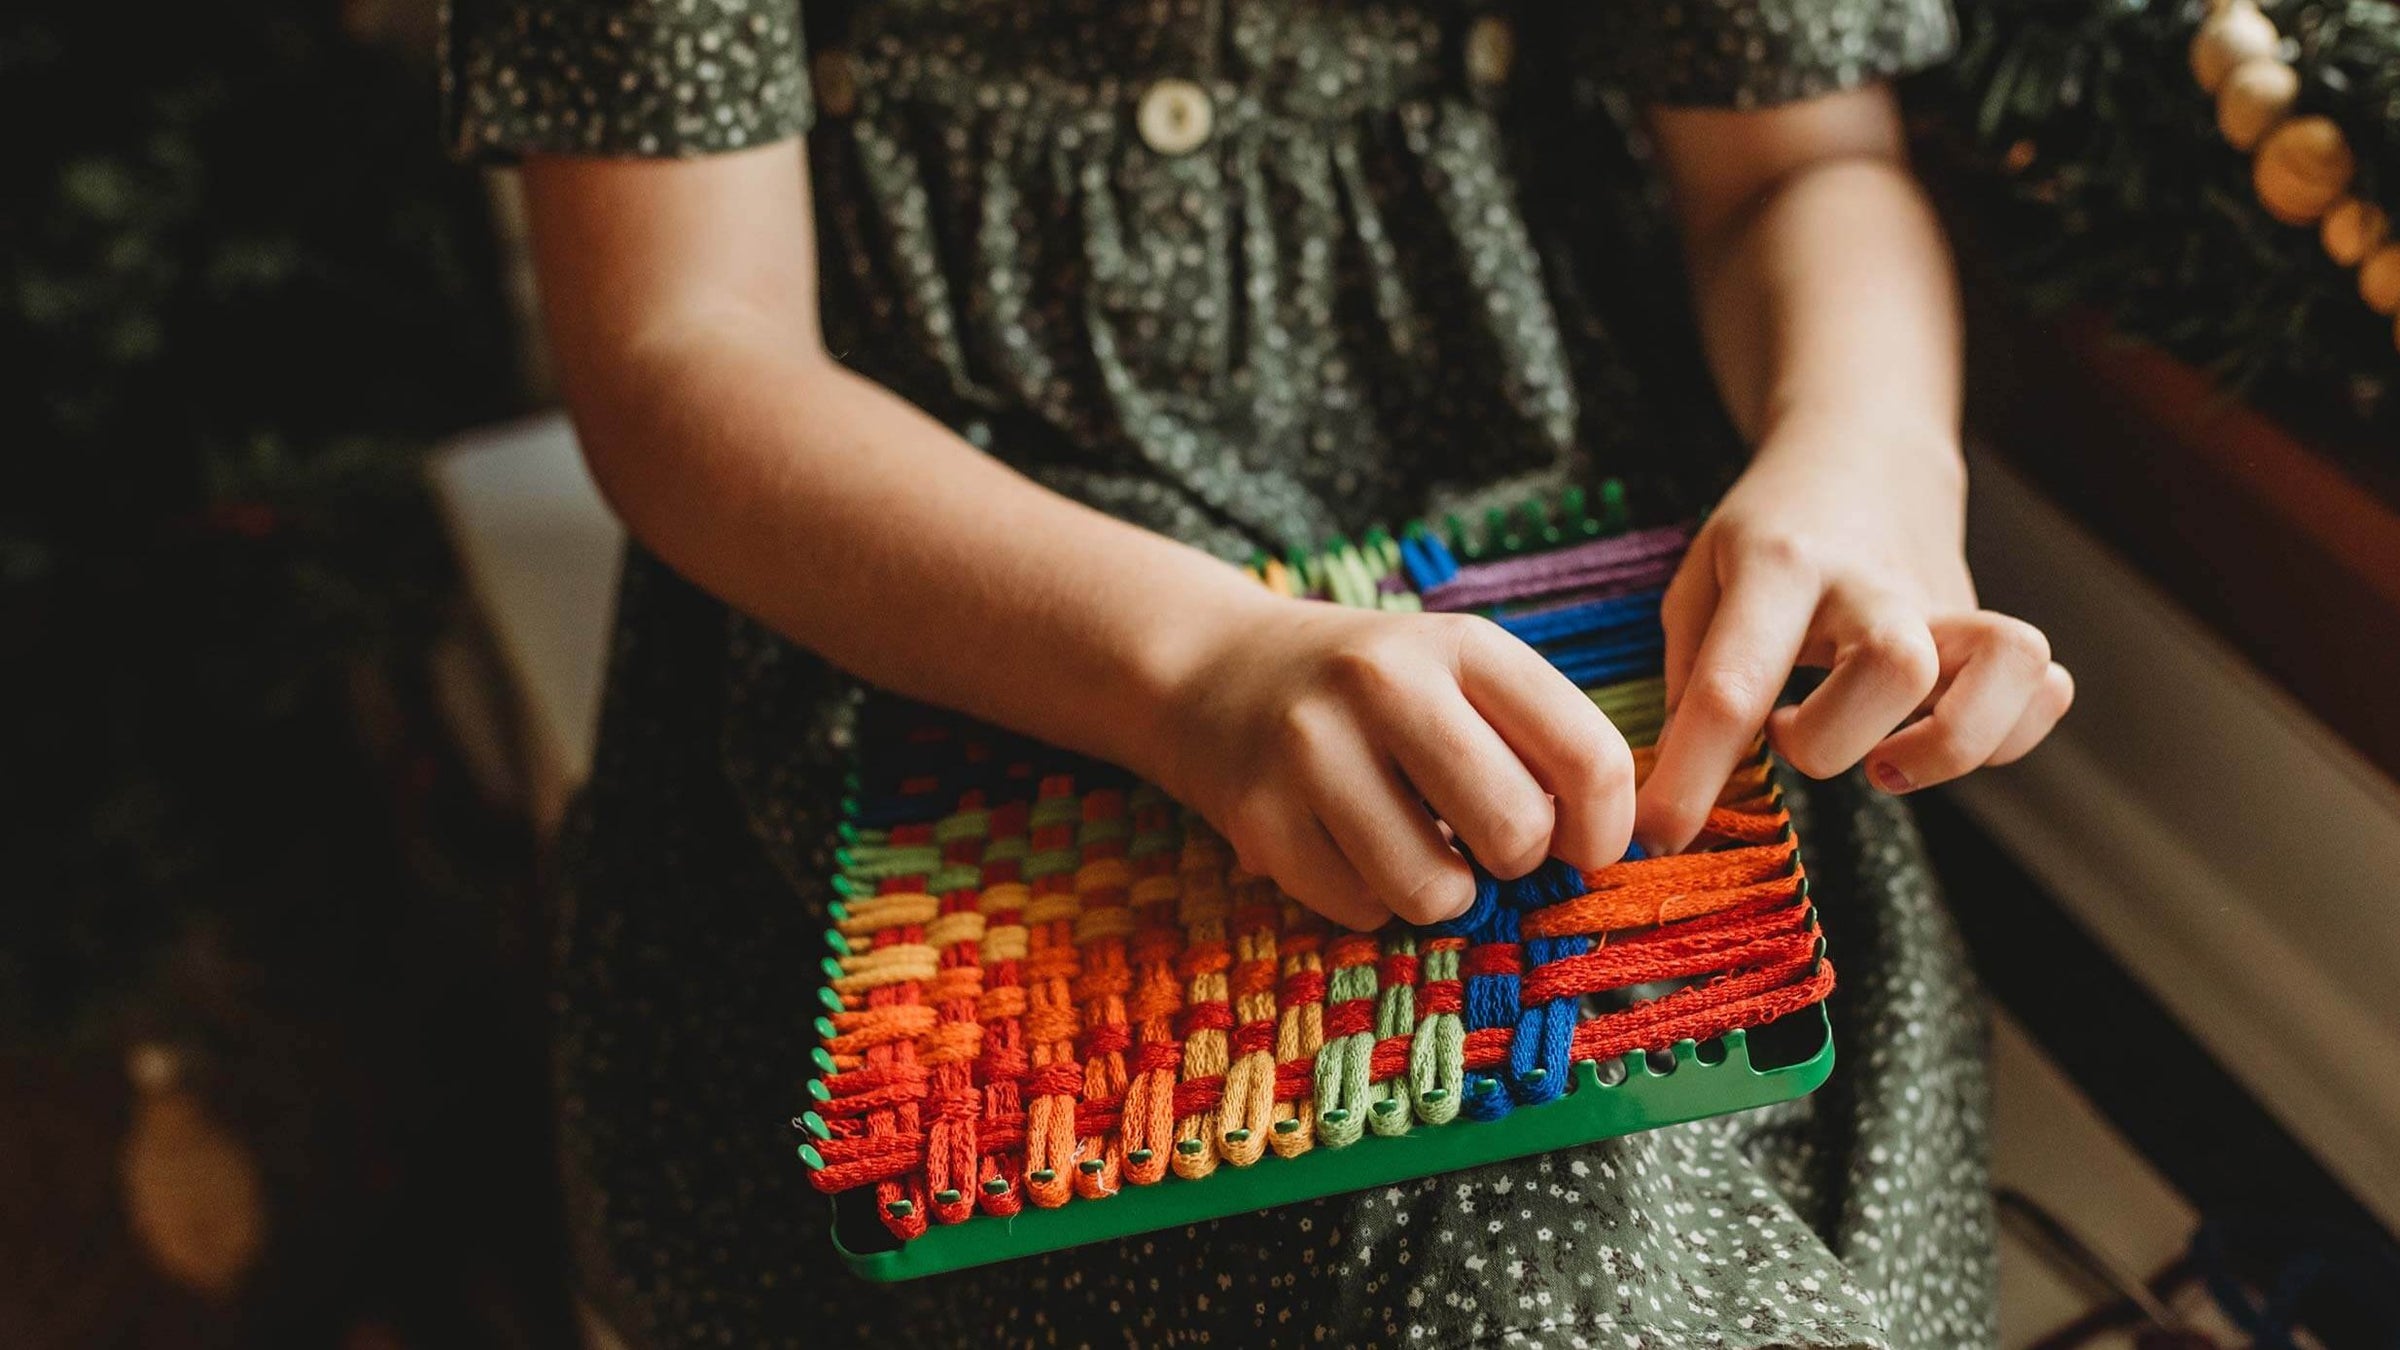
(2261, 533)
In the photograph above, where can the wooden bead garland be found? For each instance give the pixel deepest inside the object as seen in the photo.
(2301, 167)
(2353, 229)
(2254, 98)
(2237, 32)
(2379, 280)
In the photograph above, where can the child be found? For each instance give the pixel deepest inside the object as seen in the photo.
(959, 394)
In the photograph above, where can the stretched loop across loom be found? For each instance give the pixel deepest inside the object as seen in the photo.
(1051, 993)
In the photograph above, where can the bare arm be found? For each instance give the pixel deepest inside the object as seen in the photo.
(1827, 302)
(681, 300)
(681, 297)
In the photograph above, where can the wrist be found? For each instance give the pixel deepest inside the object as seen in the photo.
(1920, 470)
(1825, 441)
(1174, 654)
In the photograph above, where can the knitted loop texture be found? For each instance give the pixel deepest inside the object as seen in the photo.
(1051, 983)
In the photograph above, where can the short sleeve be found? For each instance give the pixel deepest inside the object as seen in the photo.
(622, 77)
(1757, 53)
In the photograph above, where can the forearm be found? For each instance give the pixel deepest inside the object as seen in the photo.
(856, 525)
(1833, 310)
(681, 303)
(1826, 298)
(1823, 283)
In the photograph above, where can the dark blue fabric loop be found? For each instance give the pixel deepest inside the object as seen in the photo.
(1594, 664)
(1591, 616)
(1479, 911)
(1486, 1099)
(1540, 1054)
(1490, 1000)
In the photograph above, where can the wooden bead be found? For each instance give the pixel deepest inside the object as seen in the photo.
(2354, 229)
(2303, 168)
(2379, 280)
(2257, 95)
(192, 1194)
(2232, 35)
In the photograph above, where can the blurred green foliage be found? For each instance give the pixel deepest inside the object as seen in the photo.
(2094, 173)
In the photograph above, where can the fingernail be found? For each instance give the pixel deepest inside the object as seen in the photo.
(1888, 778)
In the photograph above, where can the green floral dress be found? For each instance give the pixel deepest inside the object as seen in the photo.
(1249, 272)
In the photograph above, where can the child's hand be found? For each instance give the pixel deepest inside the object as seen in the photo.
(1853, 562)
(1313, 738)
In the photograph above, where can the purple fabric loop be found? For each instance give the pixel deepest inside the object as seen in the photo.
(1628, 562)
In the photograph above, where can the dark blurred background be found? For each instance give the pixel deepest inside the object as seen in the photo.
(270, 1069)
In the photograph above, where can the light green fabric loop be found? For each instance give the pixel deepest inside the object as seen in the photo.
(1437, 1059)
(1388, 1106)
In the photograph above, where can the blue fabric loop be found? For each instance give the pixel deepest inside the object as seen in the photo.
(1541, 1053)
(1479, 910)
(1589, 667)
(1591, 616)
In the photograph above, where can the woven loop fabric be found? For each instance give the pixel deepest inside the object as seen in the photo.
(1050, 984)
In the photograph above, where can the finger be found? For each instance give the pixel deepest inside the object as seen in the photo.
(1297, 852)
(2001, 664)
(1752, 641)
(1884, 665)
(1684, 611)
(2056, 696)
(1569, 746)
(1275, 834)
(1375, 818)
(1473, 781)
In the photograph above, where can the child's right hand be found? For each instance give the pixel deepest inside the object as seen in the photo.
(1313, 738)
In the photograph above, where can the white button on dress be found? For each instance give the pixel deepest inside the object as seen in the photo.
(1175, 116)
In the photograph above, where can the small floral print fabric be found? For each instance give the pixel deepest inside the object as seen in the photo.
(1249, 272)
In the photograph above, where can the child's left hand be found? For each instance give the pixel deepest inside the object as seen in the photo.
(1853, 560)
